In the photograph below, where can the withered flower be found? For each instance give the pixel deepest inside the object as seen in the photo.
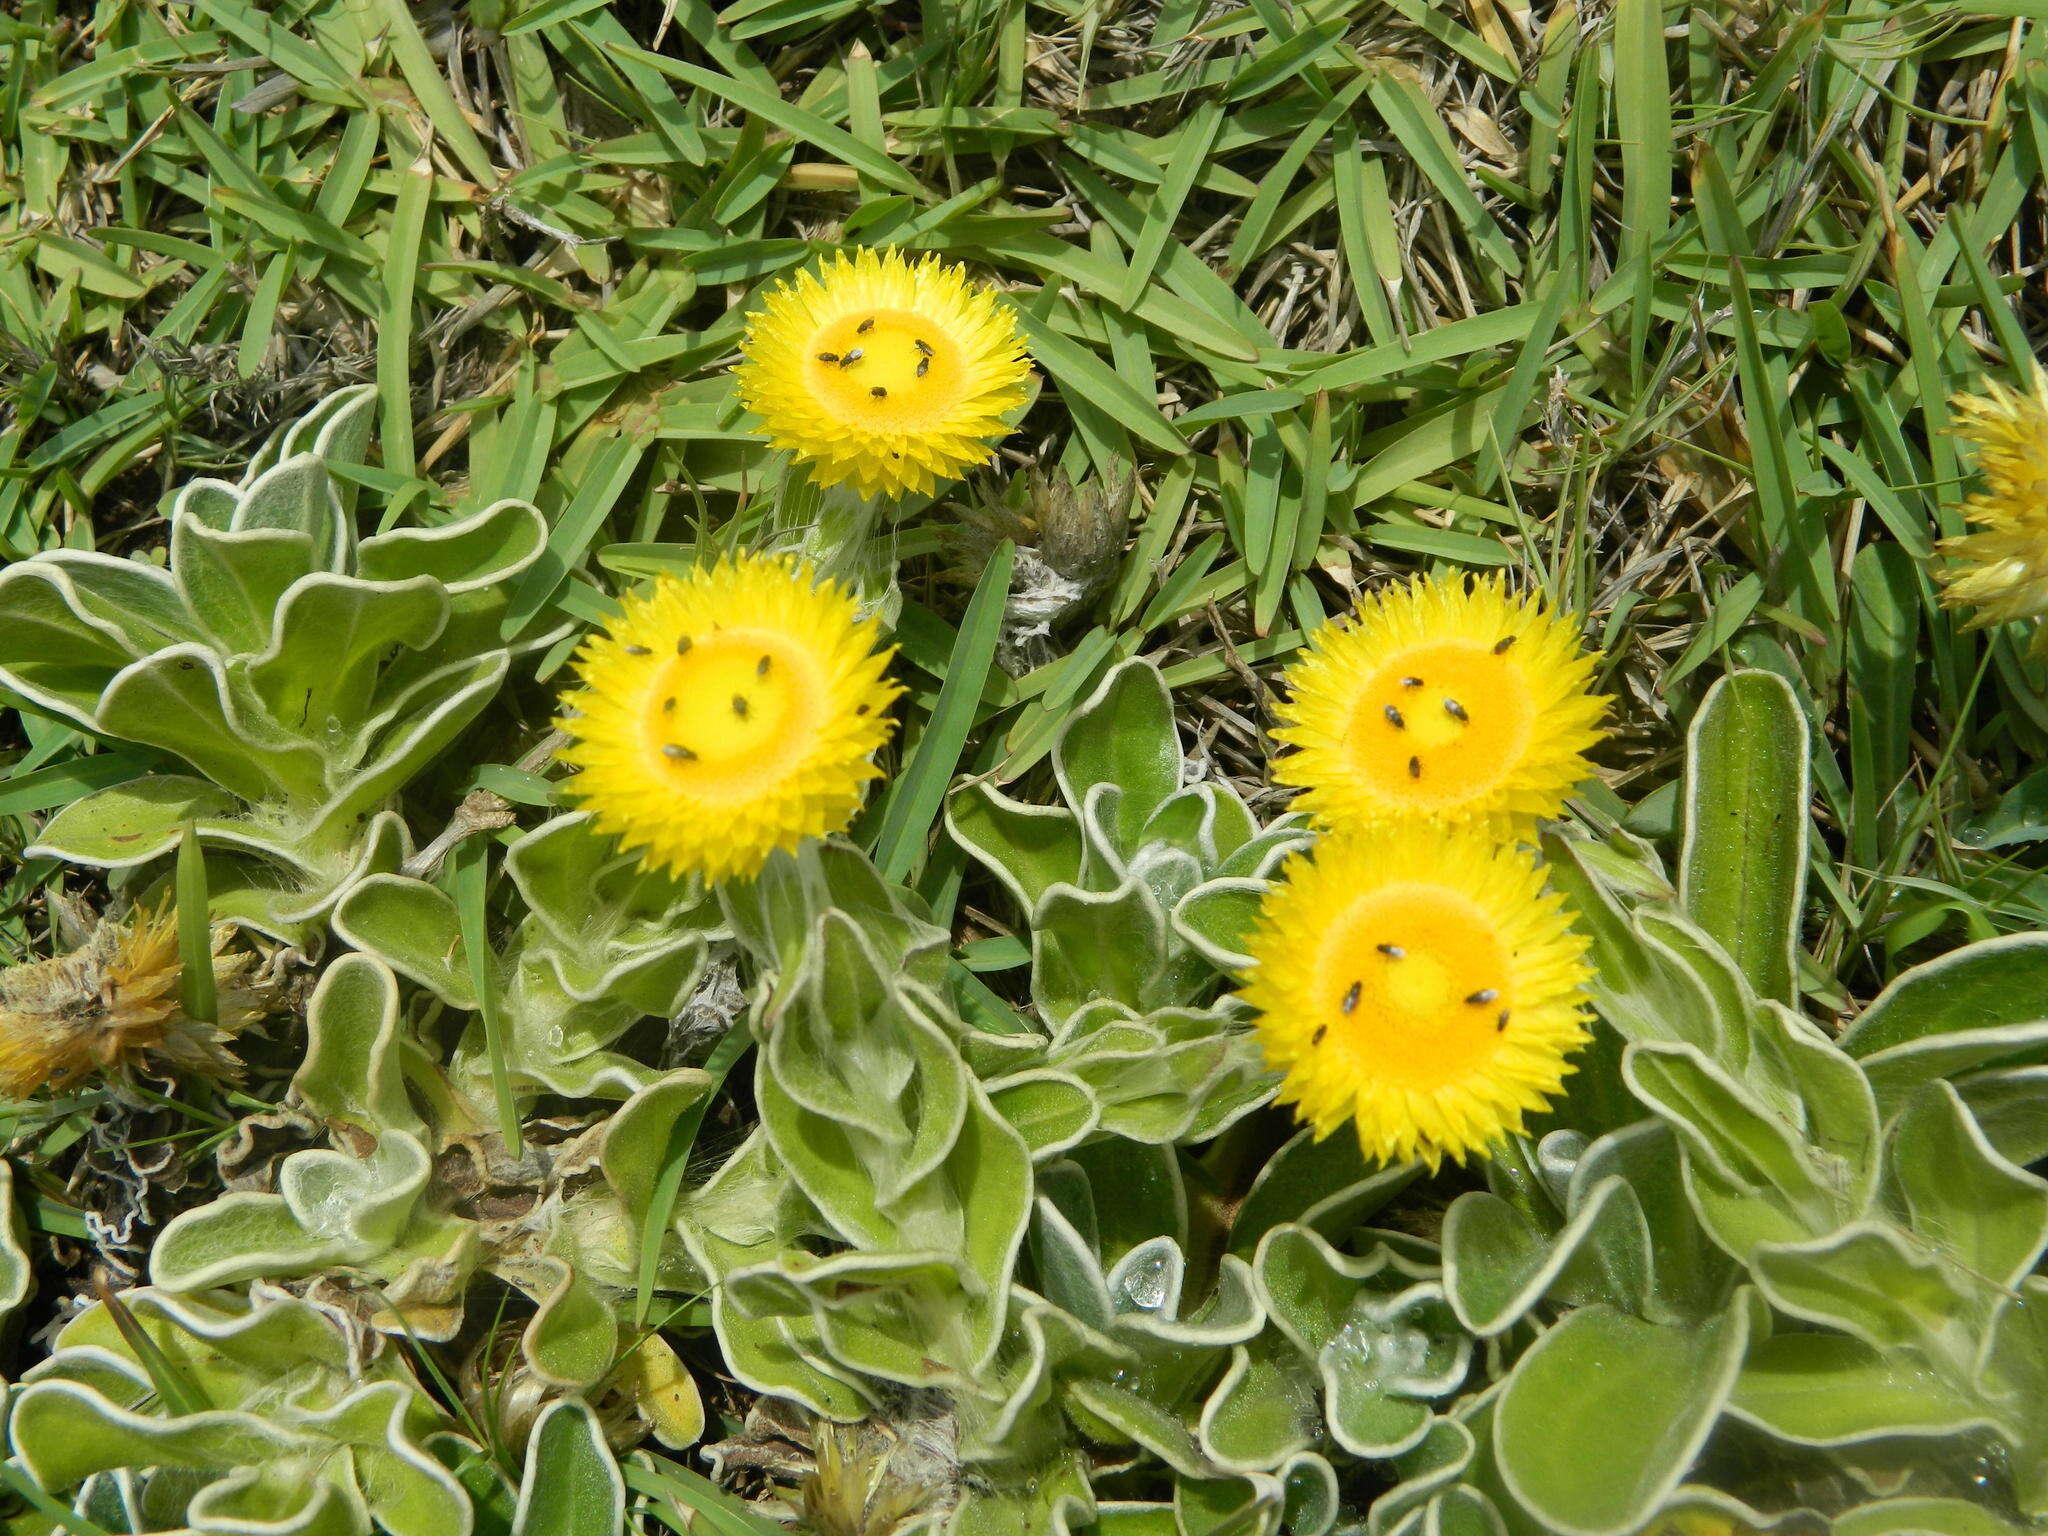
(112, 1007)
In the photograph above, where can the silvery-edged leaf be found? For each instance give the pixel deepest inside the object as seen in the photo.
(298, 495)
(1216, 919)
(139, 601)
(338, 427)
(1051, 1110)
(1898, 1072)
(1598, 1464)
(413, 928)
(331, 639)
(1260, 856)
(1742, 873)
(1430, 1466)
(1391, 1356)
(1317, 1184)
(233, 582)
(379, 846)
(1122, 734)
(128, 824)
(1984, 986)
(1827, 1389)
(471, 554)
(571, 1485)
(1247, 1505)
(409, 746)
(1264, 1410)
(1091, 945)
(210, 503)
(1497, 1264)
(580, 886)
(2010, 1106)
(183, 701)
(572, 1340)
(772, 915)
(1987, 1215)
(16, 1278)
(731, 1221)
(1915, 1516)
(1640, 985)
(52, 651)
(1868, 1279)
(1029, 848)
(1736, 1148)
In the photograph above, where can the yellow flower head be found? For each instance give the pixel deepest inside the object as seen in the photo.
(112, 1006)
(1443, 700)
(1418, 980)
(2005, 570)
(726, 714)
(889, 373)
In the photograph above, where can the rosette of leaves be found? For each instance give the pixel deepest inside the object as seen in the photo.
(1361, 1347)
(418, 1193)
(1136, 892)
(1111, 1347)
(599, 945)
(304, 673)
(864, 1235)
(227, 1414)
(928, 1206)
(1806, 1280)
(1123, 1352)
(224, 1413)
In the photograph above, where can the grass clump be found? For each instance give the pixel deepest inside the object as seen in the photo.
(362, 361)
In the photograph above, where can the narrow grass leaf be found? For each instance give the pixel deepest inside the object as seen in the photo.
(675, 1161)
(394, 329)
(1196, 137)
(914, 799)
(195, 932)
(471, 880)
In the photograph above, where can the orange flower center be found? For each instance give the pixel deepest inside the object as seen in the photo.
(732, 711)
(888, 370)
(1415, 984)
(1442, 723)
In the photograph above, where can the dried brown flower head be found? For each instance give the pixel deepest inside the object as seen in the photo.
(111, 1006)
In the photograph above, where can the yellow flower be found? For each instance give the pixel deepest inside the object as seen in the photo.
(726, 714)
(884, 372)
(2005, 575)
(1418, 980)
(112, 1006)
(1445, 700)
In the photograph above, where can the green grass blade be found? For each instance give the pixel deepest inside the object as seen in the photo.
(195, 932)
(471, 881)
(914, 799)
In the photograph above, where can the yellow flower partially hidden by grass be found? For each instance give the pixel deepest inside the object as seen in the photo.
(2004, 574)
(111, 1007)
(1419, 981)
(884, 372)
(726, 714)
(1442, 701)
